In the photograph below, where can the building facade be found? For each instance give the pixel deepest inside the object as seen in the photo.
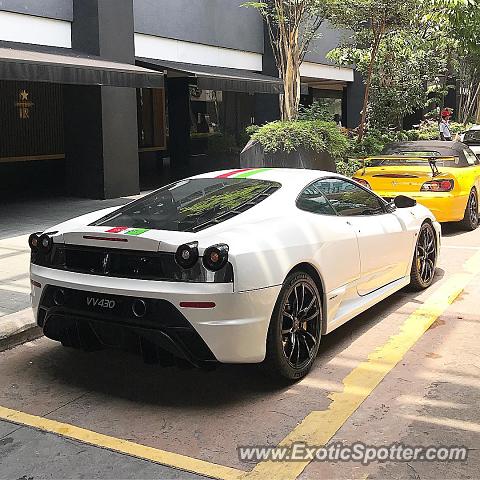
(100, 98)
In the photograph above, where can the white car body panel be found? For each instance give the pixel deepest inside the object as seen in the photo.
(359, 260)
(475, 149)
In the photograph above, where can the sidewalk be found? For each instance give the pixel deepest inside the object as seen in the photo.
(17, 221)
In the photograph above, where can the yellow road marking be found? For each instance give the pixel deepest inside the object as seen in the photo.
(174, 460)
(317, 428)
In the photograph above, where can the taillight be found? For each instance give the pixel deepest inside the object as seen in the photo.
(34, 241)
(362, 182)
(187, 255)
(215, 257)
(438, 186)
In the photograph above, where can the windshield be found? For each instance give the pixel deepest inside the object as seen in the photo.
(192, 205)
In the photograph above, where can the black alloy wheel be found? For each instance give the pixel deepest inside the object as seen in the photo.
(425, 258)
(470, 220)
(295, 329)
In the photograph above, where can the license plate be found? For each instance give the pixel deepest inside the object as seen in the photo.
(100, 303)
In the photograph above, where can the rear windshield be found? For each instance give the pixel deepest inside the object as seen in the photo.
(192, 205)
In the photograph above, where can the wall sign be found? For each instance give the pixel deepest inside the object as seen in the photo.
(24, 105)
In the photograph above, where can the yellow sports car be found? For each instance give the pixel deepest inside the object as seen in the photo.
(443, 176)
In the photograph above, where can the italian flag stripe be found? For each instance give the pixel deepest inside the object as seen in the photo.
(243, 173)
(252, 172)
(117, 230)
(233, 172)
(137, 231)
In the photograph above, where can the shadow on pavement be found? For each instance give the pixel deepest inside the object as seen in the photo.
(121, 375)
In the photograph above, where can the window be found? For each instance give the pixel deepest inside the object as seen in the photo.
(348, 199)
(192, 205)
(471, 157)
(313, 200)
(151, 119)
(218, 120)
(472, 137)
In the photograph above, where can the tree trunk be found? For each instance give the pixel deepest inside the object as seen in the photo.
(290, 72)
(472, 104)
(368, 84)
(477, 116)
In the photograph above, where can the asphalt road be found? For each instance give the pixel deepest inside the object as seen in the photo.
(407, 371)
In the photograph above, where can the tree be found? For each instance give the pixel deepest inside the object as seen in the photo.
(292, 25)
(369, 22)
(407, 60)
(408, 73)
(460, 20)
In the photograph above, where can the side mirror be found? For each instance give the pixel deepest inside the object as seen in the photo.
(404, 202)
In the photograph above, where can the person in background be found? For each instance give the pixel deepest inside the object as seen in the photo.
(444, 126)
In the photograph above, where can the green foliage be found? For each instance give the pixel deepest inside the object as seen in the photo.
(460, 19)
(316, 135)
(370, 24)
(316, 111)
(429, 132)
(326, 136)
(349, 166)
(362, 16)
(251, 129)
(406, 60)
(375, 140)
(371, 144)
(413, 47)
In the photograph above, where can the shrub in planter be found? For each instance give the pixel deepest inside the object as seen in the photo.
(302, 143)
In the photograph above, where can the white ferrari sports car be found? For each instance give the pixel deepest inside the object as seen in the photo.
(242, 266)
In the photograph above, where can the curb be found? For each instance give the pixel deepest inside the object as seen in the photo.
(19, 338)
(18, 328)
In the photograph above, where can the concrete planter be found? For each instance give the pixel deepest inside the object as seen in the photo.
(253, 156)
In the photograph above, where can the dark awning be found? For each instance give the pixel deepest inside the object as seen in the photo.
(219, 78)
(23, 65)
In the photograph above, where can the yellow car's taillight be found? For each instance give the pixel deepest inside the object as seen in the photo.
(438, 186)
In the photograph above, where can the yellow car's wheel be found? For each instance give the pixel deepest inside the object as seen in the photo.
(470, 220)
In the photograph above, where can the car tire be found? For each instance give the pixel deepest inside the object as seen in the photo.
(425, 258)
(295, 329)
(470, 220)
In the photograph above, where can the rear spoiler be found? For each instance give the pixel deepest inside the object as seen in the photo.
(432, 161)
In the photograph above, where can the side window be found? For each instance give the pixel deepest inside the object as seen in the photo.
(350, 200)
(471, 157)
(313, 200)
